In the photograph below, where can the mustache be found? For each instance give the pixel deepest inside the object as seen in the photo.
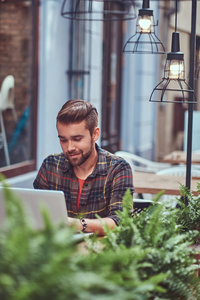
(71, 152)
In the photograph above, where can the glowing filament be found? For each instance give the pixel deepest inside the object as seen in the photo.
(145, 24)
(176, 68)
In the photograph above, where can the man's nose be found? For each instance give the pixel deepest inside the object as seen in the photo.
(70, 146)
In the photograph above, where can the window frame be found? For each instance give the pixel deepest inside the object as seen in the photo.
(29, 165)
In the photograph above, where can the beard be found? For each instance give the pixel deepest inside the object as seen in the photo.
(82, 157)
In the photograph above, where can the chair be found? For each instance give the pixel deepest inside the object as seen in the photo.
(180, 171)
(141, 164)
(139, 205)
(6, 102)
(138, 163)
(7, 93)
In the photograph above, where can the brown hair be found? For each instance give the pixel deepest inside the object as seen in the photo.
(76, 111)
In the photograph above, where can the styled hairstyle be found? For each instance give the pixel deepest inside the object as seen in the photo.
(76, 111)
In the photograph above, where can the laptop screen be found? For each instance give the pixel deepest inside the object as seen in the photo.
(33, 200)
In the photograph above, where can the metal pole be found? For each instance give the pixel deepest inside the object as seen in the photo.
(191, 83)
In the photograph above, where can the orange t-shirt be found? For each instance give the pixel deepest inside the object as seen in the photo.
(80, 186)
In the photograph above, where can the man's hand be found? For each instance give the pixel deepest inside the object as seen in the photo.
(93, 225)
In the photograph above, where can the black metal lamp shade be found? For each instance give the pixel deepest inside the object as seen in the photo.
(183, 91)
(145, 39)
(98, 10)
(174, 78)
(141, 43)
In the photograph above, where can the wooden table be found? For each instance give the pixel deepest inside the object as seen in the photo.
(178, 157)
(151, 183)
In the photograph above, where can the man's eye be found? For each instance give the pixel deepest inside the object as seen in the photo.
(77, 139)
(63, 141)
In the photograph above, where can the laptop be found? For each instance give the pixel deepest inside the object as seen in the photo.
(33, 200)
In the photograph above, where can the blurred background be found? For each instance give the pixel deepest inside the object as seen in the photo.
(48, 57)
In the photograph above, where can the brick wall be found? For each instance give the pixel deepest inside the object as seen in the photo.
(16, 44)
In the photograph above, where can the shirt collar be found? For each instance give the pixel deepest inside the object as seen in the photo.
(67, 165)
(101, 167)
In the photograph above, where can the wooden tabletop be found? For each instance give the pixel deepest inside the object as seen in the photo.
(178, 157)
(151, 183)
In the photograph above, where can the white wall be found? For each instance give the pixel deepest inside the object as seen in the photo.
(53, 79)
(96, 66)
(53, 64)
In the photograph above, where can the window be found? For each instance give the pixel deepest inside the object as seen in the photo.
(18, 86)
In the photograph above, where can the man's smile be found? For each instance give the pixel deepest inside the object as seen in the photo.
(73, 154)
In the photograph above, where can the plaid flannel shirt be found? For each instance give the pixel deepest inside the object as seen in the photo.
(102, 191)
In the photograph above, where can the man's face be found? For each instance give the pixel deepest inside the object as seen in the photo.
(76, 142)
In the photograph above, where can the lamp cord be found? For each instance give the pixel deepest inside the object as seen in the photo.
(176, 15)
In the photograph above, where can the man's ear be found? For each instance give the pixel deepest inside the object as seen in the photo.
(96, 133)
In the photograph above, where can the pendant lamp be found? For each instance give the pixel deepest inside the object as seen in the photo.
(98, 10)
(174, 76)
(144, 40)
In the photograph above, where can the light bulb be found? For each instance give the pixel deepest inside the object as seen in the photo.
(145, 24)
(176, 68)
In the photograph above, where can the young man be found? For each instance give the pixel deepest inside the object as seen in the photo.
(93, 180)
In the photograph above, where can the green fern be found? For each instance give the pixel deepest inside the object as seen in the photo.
(156, 230)
(146, 257)
(188, 216)
(47, 264)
